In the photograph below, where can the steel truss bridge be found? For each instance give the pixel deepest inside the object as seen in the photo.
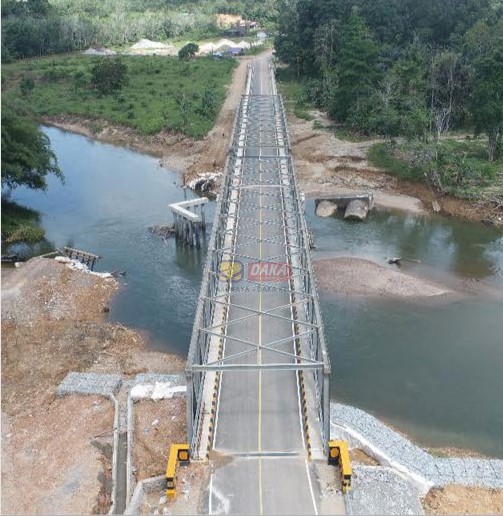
(258, 369)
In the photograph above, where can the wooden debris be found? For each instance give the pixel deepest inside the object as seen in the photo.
(84, 257)
(162, 231)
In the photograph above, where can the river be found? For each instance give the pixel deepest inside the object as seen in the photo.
(433, 370)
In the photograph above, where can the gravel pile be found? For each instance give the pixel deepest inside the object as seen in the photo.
(392, 445)
(382, 491)
(148, 47)
(89, 383)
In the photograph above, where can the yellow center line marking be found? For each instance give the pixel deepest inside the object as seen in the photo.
(259, 352)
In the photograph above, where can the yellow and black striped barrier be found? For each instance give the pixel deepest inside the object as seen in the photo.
(303, 401)
(177, 453)
(338, 454)
(215, 397)
(213, 415)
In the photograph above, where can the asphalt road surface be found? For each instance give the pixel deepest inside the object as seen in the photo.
(258, 426)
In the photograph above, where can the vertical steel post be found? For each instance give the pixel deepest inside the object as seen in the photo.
(190, 405)
(326, 407)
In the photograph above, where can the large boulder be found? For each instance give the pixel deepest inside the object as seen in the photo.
(326, 209)
(357, 209)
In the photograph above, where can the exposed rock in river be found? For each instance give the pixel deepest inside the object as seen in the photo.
(326, 209)
(357, 210)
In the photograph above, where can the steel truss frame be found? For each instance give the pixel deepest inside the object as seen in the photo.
(260, 123)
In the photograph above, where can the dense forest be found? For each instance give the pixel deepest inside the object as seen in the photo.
(400, 67)
(39, 27)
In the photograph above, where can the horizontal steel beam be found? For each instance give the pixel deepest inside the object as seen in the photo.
(258, 367)
(265, 157)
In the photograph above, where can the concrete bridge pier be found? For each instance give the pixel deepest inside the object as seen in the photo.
(189, 221)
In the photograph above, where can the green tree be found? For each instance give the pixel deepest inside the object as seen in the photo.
(357, 69)
(27, 157)
(109, 75)
(33, 8)
(487, 104)
(188, 51)
(296, 37)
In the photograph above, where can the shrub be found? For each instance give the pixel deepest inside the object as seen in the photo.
(79, 80)
(188, 51)
(26, 85)
(109, 75)
(96, 127)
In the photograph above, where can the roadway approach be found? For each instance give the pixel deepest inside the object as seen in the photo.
(257, 367)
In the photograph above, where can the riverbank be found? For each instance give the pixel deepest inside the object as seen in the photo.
(188, 156)
(53, 322)
(156, 93)
(325, 163)
(20, 224)
(330, 165)
(463, 483)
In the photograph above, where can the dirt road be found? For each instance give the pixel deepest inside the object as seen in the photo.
(464, 500)
(213, 152)
(52, 460)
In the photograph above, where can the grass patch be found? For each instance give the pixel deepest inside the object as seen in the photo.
(342, 133)
(294, 94)
(381, 155)
(303, 113)
(457, 168)
(148, 103)
(20, 224)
